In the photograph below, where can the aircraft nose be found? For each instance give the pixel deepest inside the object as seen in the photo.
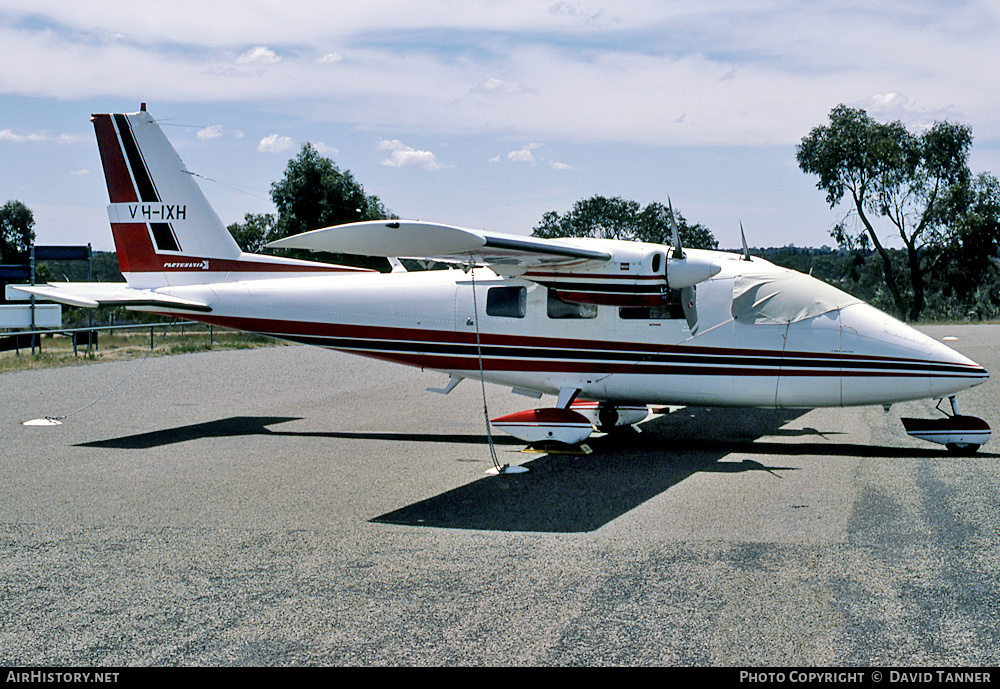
(897, 362)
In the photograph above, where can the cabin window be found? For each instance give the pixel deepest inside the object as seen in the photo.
(506, 302)
(673, 309)
(557, 308)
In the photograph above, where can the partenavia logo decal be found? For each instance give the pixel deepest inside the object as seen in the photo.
(188, 265)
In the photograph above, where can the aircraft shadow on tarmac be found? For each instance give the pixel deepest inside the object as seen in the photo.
(575, 492)
(241, 426)
(583, 492)
(566, 492)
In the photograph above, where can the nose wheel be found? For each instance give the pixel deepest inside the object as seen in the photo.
(962, 448)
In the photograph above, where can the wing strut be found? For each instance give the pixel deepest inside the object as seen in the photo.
(566, 397)
(498, 468)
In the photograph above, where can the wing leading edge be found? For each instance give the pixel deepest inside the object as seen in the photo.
(583, 270)
(446, 243)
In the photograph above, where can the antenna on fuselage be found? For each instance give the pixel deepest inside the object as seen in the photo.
(746, 251)
(678, 251)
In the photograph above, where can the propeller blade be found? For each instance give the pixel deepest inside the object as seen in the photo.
(678, 251)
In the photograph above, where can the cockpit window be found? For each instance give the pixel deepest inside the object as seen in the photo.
(784, 297)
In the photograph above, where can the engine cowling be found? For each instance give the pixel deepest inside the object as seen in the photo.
(637, 275)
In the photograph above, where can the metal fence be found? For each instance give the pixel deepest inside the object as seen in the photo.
(88, 336)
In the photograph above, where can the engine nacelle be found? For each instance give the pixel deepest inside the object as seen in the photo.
(637, 275)
(690, 270)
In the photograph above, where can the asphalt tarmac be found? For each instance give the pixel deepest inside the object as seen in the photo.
(294, 506)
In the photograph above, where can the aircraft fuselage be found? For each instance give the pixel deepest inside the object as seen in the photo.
(704, 351)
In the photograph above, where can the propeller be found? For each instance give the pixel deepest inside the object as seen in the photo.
(683, 270)
(746, 251)
(678, 251)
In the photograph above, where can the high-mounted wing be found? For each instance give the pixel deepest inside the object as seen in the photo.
(581, 270)
(425, 240)
(94, 294)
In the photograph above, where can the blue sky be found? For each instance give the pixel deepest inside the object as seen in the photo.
(487, 114)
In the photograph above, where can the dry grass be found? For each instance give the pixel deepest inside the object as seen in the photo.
(57, 350)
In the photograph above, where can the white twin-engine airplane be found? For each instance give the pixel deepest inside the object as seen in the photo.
(607, 327)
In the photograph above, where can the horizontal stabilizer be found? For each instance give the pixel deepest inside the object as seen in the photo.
(424, 240)
(91, 295)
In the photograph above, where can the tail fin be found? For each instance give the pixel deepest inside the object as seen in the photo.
(165, 230)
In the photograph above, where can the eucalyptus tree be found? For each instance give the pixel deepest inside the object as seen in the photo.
(17, 232)
(896, 183)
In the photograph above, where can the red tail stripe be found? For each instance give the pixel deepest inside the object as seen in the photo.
(135, 250)
(120, 186)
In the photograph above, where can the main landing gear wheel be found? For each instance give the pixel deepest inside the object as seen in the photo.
(607, 418)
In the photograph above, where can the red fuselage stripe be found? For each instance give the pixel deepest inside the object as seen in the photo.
(416, 348)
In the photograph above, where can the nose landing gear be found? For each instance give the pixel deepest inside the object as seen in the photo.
(962, 435)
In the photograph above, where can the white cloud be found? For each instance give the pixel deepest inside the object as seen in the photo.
(499, 85)
(213, 132)
(886, 101)
(729, 68)
(527, 156)
(324, 149)
(567, 9)
(524, 155)
(83, 172)
(258, 56)
(8, 135)
(405, 156)
(37, 137)
(216, 131)
(275, 143)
